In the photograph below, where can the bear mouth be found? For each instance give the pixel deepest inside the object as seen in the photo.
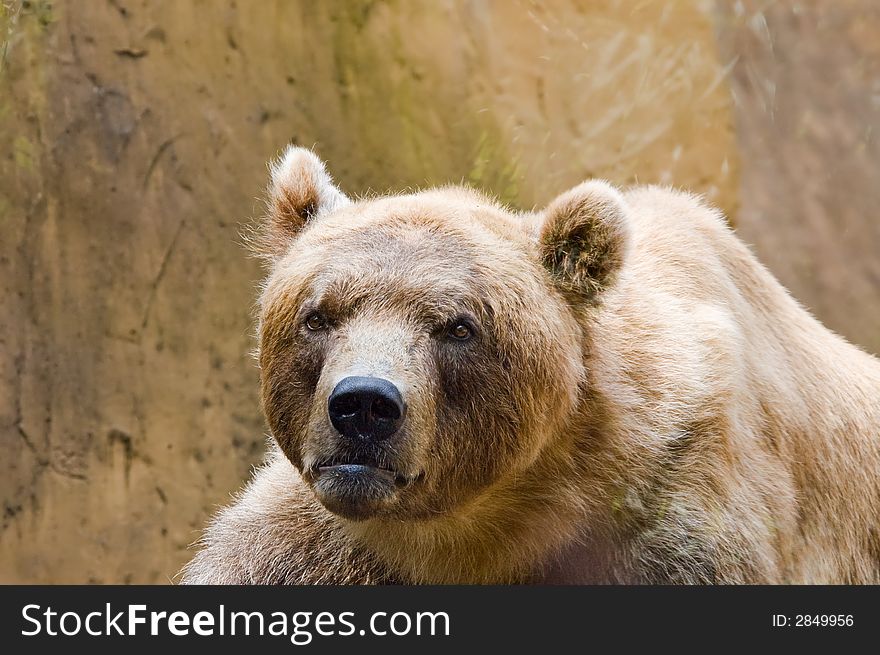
(355, 469)
(350, 467)
(357, 488)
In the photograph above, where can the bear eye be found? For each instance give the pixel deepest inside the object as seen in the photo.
(460, 331)
(316, 322)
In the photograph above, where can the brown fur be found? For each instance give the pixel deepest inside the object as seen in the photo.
(642, 402)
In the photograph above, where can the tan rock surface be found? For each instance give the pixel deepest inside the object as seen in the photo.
(806, 86)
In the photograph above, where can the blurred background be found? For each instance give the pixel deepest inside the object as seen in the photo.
(133, 142)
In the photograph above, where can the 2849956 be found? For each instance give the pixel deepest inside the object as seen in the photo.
(813, 621)
(823, 620)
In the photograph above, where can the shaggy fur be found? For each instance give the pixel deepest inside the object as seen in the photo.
(640, 402)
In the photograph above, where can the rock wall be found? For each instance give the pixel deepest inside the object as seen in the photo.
(806, 92)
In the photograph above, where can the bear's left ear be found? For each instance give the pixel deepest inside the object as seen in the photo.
(300, 189)
(584, 237)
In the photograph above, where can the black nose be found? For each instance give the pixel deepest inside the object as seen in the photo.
(369, 408)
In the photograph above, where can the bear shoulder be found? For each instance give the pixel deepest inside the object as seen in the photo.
(277, 533)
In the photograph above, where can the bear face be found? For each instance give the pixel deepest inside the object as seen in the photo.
(416, 350)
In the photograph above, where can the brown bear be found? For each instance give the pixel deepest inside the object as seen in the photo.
(611, 390)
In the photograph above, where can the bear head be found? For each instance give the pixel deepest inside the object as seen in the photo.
(416, 350)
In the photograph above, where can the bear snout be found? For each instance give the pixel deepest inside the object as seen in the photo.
(366, 408)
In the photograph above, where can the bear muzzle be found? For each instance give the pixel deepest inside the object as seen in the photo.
(359, 478)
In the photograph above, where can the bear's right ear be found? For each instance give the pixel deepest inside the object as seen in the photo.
(584, 238)
(300, 189)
